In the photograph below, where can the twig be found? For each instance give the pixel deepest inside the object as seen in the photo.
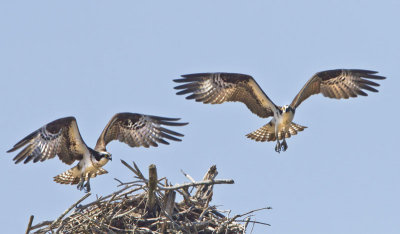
(42, 224)
(137, 172)
(254, 222)
(103, 198)
(29, 224)
(205, 182)
(252, 211)
(252, 227)
(120, 182)
(247, 220)
(229, 221)
(204, 212)
(112, 199)
(188, 176)
(128, 166)
(69, 209)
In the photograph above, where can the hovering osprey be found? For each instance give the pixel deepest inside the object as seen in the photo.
(61, 137)
(216, 88)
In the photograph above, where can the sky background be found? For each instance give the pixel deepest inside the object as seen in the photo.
(92, 59)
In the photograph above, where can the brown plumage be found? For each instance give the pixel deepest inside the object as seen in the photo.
(267, 132)
(216, 88)
(138, 130)
(339, 83)
(72, 176)
(60, 137)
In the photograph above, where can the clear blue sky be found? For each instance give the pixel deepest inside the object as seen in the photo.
(92, 59)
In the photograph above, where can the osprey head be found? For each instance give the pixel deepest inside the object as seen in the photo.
(106, 155)
(287, 108)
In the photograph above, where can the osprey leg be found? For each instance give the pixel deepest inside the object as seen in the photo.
(284, 145)
(80, 184)
(87, 185)
(278, 146)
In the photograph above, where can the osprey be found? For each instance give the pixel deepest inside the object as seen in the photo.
(61, 137)
(216, 88)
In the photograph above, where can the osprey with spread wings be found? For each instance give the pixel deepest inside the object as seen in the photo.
(61, 137)
(216, 88)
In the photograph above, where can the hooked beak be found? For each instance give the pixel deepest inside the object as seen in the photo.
(109, 157)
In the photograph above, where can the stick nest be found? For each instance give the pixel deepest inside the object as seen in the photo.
(149, 206)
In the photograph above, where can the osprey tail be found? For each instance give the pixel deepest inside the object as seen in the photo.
(73, 175)
(267, 132)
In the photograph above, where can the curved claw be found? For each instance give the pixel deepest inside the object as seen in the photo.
(87, 187)
(284, 145)
(80, 185)
(278, 147)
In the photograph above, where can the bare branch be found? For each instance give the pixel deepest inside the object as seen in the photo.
(188, 176)
(252, 211)
(207, 182)
(69, 209)
(42, 224)
(29, 224)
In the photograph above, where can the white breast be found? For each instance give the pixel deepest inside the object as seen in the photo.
(283, 121)
(86, 165)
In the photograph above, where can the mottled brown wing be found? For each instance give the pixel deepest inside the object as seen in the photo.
(60, 137)
(216, 88)
(339, 83)
(138, 130)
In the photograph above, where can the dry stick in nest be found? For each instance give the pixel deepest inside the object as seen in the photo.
(29, 225)
(111, 195)
(169, 204)
(233, 219)
(69, 209)
(169, 201)
(205, 192)
(42, 224)
(209, 180)
(131, 209)
(52, 223)
(152, 185)
(205, 182)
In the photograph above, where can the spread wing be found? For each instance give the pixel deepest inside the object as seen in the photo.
(340, 83)
(60, 137)
(138, 130)
(216, 88)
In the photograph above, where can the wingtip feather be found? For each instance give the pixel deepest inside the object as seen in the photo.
(11, 150)
(179, 80)
(173, 123)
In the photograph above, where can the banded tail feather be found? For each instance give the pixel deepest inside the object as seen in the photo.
(73, 175)
(267, 132)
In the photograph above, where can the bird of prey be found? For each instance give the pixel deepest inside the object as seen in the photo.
(216, 88)
(61, 137)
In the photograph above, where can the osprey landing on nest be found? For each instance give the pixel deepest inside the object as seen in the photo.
(61, 137)
(216, 88)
